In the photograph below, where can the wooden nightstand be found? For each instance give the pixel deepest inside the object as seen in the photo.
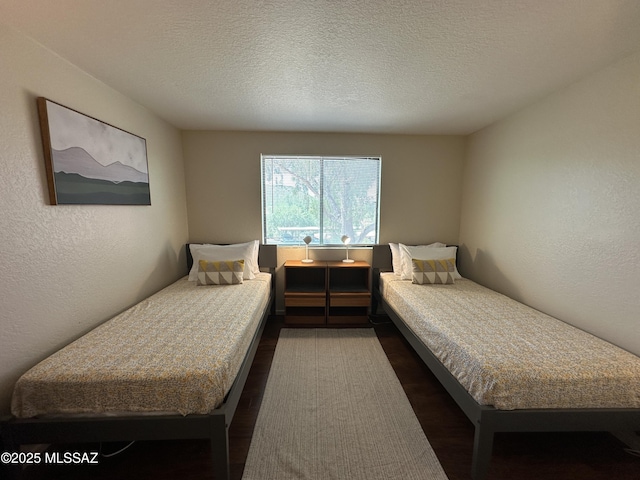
(349, 293)
(305, 292)
(326, 293)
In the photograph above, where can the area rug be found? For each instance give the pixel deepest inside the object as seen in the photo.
(333, 408)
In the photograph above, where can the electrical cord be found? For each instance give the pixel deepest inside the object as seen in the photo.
(631, 451)
(630, 440)
(108, 455)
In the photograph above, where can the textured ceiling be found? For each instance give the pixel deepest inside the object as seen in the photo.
(392, 66)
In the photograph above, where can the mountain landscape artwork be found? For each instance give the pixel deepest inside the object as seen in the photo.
(91, 162)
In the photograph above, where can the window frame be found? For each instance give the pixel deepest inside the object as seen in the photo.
(320, 158)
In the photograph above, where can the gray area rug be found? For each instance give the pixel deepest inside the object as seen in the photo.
(333, 408)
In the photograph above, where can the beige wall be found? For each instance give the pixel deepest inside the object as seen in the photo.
(420, 191)
(551, 205)
(65, 269)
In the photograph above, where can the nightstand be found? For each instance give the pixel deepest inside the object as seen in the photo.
(348, 293)
(305, 293)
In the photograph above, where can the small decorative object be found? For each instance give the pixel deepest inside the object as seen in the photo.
(91, 162)
(345, 239)
(307, 241)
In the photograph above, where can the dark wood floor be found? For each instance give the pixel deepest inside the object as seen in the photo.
(522, 456)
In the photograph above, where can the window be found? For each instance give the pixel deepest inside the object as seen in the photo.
(322, 197)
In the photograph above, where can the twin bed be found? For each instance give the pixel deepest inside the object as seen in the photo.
(509, 367)
(171, 367)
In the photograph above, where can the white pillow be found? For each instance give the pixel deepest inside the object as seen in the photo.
(396, 259)
(432, 252)
(215, 253)
(396, 255)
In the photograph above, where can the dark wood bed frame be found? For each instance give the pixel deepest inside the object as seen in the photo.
(486, 419)
(213, 426)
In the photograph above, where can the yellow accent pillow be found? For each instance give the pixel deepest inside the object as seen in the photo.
(228, 272)
(433, 271)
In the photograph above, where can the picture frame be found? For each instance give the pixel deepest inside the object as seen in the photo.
(90, 162)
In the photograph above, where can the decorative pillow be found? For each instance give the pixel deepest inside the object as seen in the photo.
(228, 272)
(434, 271)
(433, 251)
(247, 251)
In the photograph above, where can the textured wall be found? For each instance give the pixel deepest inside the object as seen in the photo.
(551, 205)
(64, 269)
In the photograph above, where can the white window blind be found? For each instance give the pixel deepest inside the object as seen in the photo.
(322, 197)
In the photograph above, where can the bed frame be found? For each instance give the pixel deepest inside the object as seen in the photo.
(486, 419)
(213, 426)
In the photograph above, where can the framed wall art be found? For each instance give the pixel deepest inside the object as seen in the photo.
(91, 162)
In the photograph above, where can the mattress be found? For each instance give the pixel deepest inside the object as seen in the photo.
(178, 351)
(509, 355)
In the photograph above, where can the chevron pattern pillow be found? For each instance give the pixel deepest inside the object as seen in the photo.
(433, 271)
(229, 272)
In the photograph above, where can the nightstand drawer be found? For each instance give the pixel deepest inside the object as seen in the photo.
(305, 300)
(349, 300)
